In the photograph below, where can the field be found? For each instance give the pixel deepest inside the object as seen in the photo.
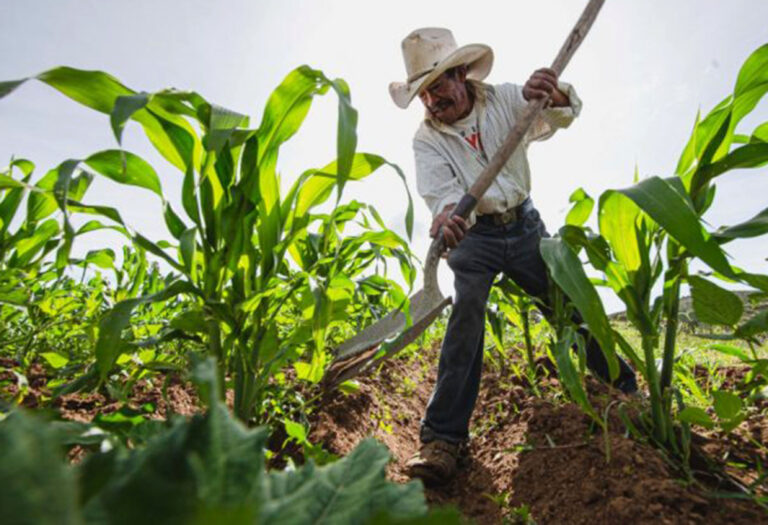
(182, 381)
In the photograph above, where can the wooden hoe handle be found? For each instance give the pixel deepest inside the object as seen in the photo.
(515, 137)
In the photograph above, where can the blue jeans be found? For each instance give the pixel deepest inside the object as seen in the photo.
(486, 251)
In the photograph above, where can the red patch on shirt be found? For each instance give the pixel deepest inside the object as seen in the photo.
(474, 141)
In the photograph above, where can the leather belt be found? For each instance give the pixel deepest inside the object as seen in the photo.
(509, 216)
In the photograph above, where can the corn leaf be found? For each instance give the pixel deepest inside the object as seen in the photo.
(568, 273)
(754, 227)
(123, 109)
(618, 220)
(714, 134)
(582, 208)
(29, 247)
(756, 325)
(666, 206)
(126, 168)
(733, 351)
(171, 135)
(109, 344)
(569, 375)
(713, 304)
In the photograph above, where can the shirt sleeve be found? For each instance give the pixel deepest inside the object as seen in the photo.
(561, 117)
(550, 119)
(435, 180)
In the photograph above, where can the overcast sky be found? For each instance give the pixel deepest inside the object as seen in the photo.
(643, 72)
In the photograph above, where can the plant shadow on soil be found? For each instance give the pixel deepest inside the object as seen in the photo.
(531, 458)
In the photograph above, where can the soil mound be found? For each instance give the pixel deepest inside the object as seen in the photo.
(532, 458)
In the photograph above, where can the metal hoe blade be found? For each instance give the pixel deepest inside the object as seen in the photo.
(389, 335)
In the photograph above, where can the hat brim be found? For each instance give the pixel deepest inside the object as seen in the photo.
(477, 57)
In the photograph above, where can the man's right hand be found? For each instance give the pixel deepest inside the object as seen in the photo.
(454, 228)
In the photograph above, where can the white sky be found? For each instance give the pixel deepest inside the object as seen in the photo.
(642, 73)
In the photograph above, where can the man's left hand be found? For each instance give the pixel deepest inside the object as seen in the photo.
(543, 82)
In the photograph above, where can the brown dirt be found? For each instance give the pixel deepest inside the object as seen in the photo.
(181, 396)
(527, 452)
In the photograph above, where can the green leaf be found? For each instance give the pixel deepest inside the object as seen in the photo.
(568, 273)
(104, 258)
(695, 416)
(188, 248)
(727, 405)
(286, 109)
(126, 168)
(754, 227)
(155, 249)
(315, 186)
(211, 470)
(29, 247)
(618, 218)
(109, 344)
(9, 182)
(346, 136)
(569, 375)
(221, 124)
(170, 133)
(754, 73)
(43, 490)
(104, 211)
(191, 320)
(350, 490)
(55, 360)
(295, 430)
(754, 326)
(7, 87)
(12, 199)
(749, 156)
(713, 304)
(760, 134)
(41, 204)
(730, 350)
(582, 208)
(666, 206)
(124, 108)
(174, 223)
(714, 134)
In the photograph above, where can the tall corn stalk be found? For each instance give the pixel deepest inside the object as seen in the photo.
(247, 251)
(655, 229)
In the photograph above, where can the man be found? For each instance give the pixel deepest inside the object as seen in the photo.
(466, 122)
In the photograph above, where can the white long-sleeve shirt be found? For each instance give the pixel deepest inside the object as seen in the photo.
(447, 165)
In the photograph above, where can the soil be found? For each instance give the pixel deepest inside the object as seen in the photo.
(180, 397)
(532, 457)
(540, 458)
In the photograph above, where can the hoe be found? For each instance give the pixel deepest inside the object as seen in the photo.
(392, 333)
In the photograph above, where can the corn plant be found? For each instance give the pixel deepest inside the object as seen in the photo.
(34, 299)
(509, 304)
(247, 251)
(650, 233)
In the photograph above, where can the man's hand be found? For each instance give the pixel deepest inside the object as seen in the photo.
(454, 228)
(543, 82)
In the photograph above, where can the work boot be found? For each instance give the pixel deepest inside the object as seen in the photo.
(435, 463)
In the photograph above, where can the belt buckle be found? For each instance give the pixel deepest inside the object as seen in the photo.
(506, 217)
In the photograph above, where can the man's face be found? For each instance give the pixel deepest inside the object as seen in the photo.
(447, 98)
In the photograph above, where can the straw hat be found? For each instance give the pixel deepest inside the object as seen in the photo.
(429, 52)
